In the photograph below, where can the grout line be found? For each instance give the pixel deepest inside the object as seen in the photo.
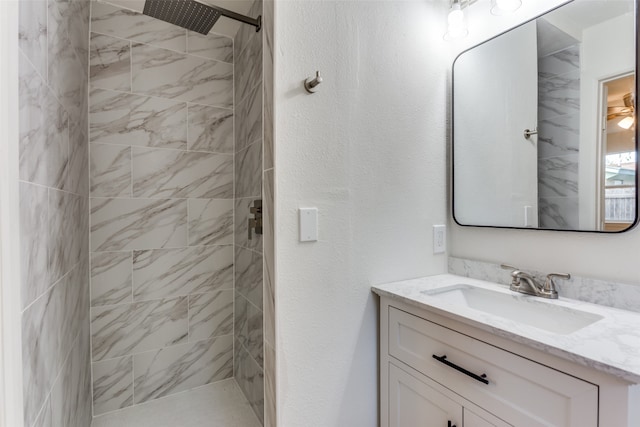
(130, 66)
(46, 56)
(131, 172)
(155, 300)
(250, 302)
(262, 114)
(164, 248)
(187, 126)
(155, 46)
(89, 210)
(113, 144)
(35, 184)
(169, 248)
(252, 250)
(233, 269)
(44, 186)
(97, 198)
(133, 380)
(155, 349)
(188, 224)
(145, 147)
(50, 288)
(189, 341)
(144, 95)
(261, 368)
(132, 271)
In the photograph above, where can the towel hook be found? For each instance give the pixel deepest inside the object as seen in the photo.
(310, 84)
(528, 133)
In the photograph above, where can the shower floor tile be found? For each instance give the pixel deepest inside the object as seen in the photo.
(221, 404)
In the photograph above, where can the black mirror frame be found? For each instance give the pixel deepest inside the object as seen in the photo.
(452, 136)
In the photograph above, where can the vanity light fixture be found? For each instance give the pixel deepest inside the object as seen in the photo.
(457, 16)
(456, 21)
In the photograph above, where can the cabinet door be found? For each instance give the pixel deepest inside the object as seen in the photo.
(471, 419)
(412, 403)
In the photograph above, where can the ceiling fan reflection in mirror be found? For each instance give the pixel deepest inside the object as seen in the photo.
(626, 111)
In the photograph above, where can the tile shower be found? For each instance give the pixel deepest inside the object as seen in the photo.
(54, 220)
(161, 209)
(136, 228)
(558, 132)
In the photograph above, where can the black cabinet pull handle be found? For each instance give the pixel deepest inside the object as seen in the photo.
(443, 359)
(451, 425)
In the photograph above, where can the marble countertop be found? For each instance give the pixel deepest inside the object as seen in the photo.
(611, 345)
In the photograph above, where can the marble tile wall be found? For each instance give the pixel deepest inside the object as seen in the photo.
(558, 138)
(161, 132)
(269, 322)
(596, 291)
(250, 274)
(54, 226)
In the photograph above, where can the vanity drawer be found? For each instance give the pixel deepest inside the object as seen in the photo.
(523, 392)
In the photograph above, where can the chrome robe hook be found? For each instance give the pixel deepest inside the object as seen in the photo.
(310, 84)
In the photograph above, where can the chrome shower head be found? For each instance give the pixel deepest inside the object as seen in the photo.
(189, 14)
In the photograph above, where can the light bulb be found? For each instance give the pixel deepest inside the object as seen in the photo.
(456, 25)
(456, 16)
(626, 123)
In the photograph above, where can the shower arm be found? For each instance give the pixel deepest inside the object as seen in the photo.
(256, 22)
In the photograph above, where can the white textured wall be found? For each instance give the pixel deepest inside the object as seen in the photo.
(368, 149)
(604, 256)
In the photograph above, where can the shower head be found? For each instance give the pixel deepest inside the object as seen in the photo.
(189, 14)
(192, 14)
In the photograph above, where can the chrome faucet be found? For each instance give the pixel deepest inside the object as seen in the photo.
(525, 283)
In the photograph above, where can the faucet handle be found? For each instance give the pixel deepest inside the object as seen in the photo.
(515, 272)
(509, 267)
(565, 276)
(550, 285)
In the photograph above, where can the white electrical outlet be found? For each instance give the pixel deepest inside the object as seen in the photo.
(439, 239)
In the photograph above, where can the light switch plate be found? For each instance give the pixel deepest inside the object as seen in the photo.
(308, 224)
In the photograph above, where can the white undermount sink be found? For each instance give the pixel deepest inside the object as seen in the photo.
(529, 310)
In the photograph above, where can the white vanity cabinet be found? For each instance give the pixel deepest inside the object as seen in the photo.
(411, 402)
(436, 372)
(417, 401)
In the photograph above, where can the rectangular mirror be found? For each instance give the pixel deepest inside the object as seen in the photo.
(544, 123)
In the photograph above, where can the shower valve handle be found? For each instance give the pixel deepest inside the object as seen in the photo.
(255, 222)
